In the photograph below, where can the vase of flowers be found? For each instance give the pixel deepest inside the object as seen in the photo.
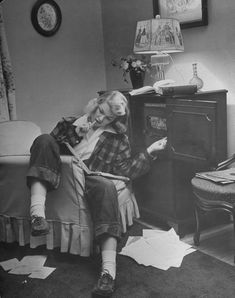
(135, 67)
(137, 78)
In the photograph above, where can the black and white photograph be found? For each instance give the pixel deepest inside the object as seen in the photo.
(117, 149)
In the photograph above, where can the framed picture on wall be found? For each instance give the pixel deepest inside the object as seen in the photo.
(190, 13)
(46, 17)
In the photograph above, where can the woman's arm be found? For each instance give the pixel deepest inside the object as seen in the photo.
(135, 166)
(66, 131)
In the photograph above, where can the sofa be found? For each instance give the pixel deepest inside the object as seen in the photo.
(66, 208)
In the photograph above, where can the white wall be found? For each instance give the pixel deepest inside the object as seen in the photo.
(119, 25)
(55, 76)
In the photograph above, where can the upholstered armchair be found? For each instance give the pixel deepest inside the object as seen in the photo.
(66, 209)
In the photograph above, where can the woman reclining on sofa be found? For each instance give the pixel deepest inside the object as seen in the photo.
(99, 139)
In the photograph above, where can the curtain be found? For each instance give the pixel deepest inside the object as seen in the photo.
(7, 85)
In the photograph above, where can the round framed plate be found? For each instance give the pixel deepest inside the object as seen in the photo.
(46, 17)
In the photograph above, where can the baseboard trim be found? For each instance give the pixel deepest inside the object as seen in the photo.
(208, 233)
(205, 234)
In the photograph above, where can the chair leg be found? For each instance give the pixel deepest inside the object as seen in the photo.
(197, 233)
(233, 213)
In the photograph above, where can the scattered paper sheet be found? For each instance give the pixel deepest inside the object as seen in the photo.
(132, 239)
(28, 264)
(33, 261)
(9, 264)
(157, 248)
(42, 272)
(151, 233)
(33, 265)
(22, 270)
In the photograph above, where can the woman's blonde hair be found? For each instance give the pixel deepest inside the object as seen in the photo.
(120, 123)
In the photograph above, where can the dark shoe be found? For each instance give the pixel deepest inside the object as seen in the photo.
(39, 226)
(104, 286)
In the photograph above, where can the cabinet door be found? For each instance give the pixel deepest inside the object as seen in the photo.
(155, 191)
(192, 131)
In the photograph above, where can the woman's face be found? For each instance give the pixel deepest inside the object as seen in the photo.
(103, 115)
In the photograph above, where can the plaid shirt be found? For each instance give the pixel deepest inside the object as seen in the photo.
(112, 153)
(65, 131)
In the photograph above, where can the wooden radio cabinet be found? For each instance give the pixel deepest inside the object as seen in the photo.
(196, 129)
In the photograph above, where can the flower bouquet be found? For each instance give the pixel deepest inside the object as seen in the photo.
(136, 67)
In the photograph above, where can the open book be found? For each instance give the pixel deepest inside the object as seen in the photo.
(94, 173)
(165, 87)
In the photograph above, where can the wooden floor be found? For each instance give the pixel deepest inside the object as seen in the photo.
(217, 242)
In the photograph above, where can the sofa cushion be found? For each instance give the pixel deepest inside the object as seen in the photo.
(17, 137)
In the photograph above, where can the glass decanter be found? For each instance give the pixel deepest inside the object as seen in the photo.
(195, 79)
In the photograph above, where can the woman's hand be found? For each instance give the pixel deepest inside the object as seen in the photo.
(157, 146)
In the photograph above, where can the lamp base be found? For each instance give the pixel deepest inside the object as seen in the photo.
(159, 61)
(160, 58)
(158, 73)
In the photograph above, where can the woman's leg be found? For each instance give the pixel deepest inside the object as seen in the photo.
(45, 162)
(105, 285)
(39, 225)
(38, 193)
(109, 252)
(43, 175)
(102, 199)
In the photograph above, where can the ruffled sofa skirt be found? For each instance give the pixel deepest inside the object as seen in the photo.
(66, 208)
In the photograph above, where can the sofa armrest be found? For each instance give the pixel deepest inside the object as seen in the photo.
(63, 204)
(14, 192)
(17, 136)
(66, 211)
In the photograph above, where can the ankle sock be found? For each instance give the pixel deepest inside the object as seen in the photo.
(37, 207)
(109, 262)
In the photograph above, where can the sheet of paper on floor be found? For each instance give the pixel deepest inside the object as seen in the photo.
(33, 261)
(42, 272)
(9, 264)
(28, 264)
(157, 248)
(144, 254)
(33, 265)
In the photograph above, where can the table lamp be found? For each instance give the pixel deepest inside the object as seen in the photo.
(158, 37)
